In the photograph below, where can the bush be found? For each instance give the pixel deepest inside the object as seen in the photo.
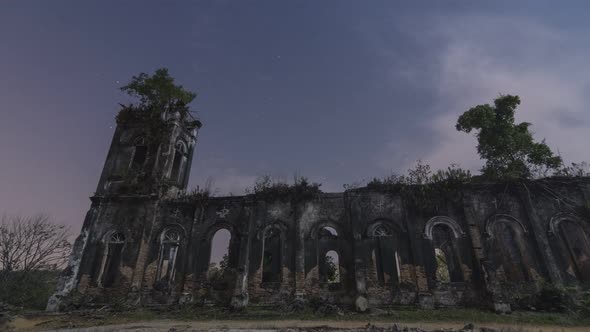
(553, 299)
(301, 189)
(28, 290)
(421, 175)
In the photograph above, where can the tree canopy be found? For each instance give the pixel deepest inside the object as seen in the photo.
(508, 148)
(158, 92)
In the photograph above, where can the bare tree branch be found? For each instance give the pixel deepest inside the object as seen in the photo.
(32, 243)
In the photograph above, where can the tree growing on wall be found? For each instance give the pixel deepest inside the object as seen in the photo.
(158, 92)
(507, 147)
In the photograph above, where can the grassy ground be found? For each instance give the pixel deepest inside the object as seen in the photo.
(259, 317)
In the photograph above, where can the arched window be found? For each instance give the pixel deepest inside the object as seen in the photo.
(111, 259)
(169, 243)
(139, 153)
(508, 248)
(386, 256)
(578, 249)
(219, 257)
(446, 253)
(332, 267)
(179, 163)
(328, 258)
(271, 256)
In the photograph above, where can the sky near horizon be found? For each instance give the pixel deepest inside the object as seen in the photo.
(338, 91)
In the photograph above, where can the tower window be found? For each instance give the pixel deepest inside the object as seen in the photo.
(179, 163)
(139, 153)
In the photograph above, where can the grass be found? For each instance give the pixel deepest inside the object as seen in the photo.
(260, 314)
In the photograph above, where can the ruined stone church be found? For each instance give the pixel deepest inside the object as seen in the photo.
(147, 242)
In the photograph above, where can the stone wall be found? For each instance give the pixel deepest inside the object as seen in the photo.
(507, 239)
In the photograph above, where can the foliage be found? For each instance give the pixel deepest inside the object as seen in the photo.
(155, 127)
(301, 189)
(158, 93)
(422, 175)
(332, 271)
(508, 148)
(218, 271)
(197, 194)
(27, 289)
(421, 188)
(453, 174)
(584, 304)
(575, 170)
(32, 252)
(551, 298)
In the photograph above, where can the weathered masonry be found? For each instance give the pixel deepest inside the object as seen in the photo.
(147, 242)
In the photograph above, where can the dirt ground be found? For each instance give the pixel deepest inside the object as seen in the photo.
(49, 323)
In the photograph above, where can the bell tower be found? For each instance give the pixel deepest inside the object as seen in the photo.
(151, 153)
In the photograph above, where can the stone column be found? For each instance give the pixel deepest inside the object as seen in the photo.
(240, 297)
(134, 296)
(299, 259)
(360, 250)
(191, 253)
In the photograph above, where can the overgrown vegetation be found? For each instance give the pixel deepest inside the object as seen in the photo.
(265, 188)
(158, 93)
(508, 148)
(421, 174)
(510, 153)
(197, 194)
(33, 250)
(158, 98)
(217, 272)
(421, 187)
(332, 271)
(575, 170)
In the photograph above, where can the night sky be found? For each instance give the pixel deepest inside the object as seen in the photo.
(338, 91)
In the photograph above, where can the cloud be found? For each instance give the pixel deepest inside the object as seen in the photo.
(482, 57)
